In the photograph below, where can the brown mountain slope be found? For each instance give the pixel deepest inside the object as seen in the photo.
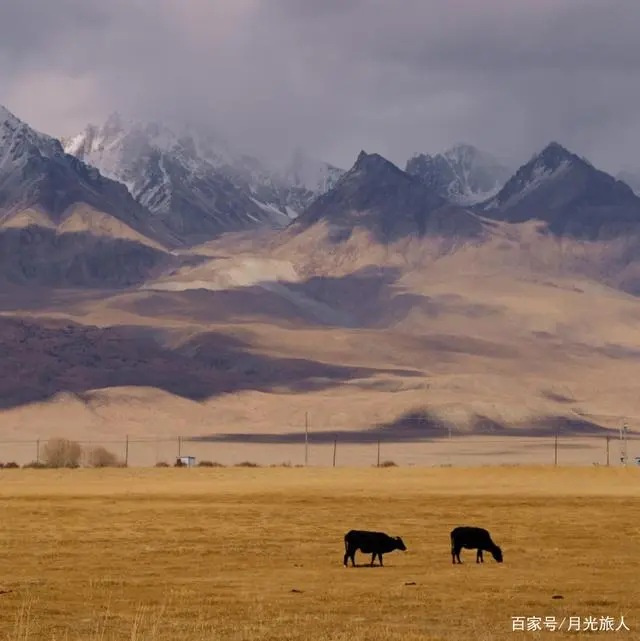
(516, 330)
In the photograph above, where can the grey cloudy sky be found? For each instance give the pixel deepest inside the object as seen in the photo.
(337, 76)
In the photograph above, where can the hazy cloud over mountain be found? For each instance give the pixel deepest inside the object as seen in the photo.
(336, 76)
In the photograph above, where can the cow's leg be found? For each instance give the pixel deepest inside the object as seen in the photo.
(456, 554)
(353, 559)
(373, 558)
(348, 554)
(380, 557)
(480, 555)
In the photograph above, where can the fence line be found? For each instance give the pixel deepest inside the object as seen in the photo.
(324, 449)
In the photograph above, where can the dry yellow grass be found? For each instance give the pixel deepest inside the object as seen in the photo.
(257, 554)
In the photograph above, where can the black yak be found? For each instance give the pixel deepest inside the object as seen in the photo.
(374, 543)
(473, 538)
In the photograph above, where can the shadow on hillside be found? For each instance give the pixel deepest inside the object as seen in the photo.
(422, 425)
(41, 359)
(609, 350)
(368, 298)
(352, 301)
(40, 256)
(79, 274)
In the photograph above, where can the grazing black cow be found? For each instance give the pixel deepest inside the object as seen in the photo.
(374, 543)
(473, 538)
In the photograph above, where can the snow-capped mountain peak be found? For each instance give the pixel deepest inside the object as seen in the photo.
(6, 117)
(569, 195)
(115, 145)
(463, 152)
(18, 140)
(36, 175)
(162, 164)
(462, 174)
(375, 194)
(543, 166)
(553, 156)
(191, 176)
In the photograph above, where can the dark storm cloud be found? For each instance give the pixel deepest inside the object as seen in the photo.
(30, 29)
(336, 76)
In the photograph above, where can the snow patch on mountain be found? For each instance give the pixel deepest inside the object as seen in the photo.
(187, 175)
(463, 174)
(151, 158)
(271, 209)
(18, 141)
(553, 161)
(539, 175)
(125, 149)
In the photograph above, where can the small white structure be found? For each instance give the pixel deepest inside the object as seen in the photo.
(186, 461)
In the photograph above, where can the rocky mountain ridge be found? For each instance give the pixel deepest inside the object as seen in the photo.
(567, 193)
(194, 180)
(463, 174)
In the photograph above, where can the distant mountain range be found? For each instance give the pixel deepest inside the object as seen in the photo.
(38, 178)
(452, 267)
(377, 195)
(556, 187)
(194, 182)
(128, 194)
(463, 175)
(569, 194)
(63, 222)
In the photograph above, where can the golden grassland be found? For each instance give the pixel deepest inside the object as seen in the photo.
(197, 554)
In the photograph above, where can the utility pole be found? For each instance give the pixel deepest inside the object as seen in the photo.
(555, 449)
(623, 444)
(306, 439)
(335, 447)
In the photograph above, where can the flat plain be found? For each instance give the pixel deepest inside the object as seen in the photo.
(236, 553)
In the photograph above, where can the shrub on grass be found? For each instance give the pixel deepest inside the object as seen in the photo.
(101, 457)
(206, 463)
(61, 452)
(36, 465)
